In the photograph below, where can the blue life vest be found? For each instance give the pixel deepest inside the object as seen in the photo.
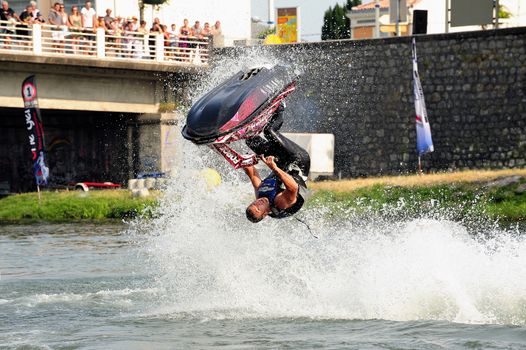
(269, 188)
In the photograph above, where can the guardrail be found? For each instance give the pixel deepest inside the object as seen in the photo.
(43, 39)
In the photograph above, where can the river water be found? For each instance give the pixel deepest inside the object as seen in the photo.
(201, 276)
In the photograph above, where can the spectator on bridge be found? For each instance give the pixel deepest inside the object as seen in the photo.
(89, 23)
(23, 28)
(108, 19)
(184, 33)
(197, 30)
(7, 30)
(102, 24)
(56, 19)
(166, 37)
(64, 27)
(139, 42)
(89, 16)
(128, 39)
(173, 42)
(35, 13)
(154, 31)
(217, 34)
(216, 29)
(75, 28)
(115, 38)
(64, 14)
(207, 31)
(6, 12)
(135, 22)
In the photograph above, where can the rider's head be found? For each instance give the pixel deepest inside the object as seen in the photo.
(258, 209)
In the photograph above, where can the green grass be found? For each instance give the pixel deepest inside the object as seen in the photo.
(74, 206)
(463, 197)
(460, 200)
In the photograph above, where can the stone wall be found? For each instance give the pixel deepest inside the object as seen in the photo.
(361, 91)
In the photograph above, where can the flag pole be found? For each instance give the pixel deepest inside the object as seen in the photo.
(420, 166)
(39, 196)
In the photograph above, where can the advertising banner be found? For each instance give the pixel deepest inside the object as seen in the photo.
(35, 130)
(287, 27)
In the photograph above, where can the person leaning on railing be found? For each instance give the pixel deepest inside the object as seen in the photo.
(207, 31)
(142, 32)
(195, 35)
(115, 38)
(154, 31)
(174, 42)
(184, 32)
(217, 34)
(75, 28)
(129, 39)
(8, 19)
(35, 13)
(27, 18)
(56, 19)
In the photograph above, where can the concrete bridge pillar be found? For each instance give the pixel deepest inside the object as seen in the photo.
(156, 141)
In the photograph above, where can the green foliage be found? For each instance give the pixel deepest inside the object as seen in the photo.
(336, 25)
(352, 3)
(74, 206)
(503, 12)
(154, 2)
(168, 107)
(264, 33)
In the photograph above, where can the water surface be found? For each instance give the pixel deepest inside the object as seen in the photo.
(99, 287)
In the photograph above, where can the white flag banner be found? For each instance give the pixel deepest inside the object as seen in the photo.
(424, 142)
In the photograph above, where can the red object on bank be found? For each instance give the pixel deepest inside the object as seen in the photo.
(86, 186)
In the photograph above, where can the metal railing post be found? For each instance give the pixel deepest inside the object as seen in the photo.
(36, 36)
(101, 43)
(159, 48)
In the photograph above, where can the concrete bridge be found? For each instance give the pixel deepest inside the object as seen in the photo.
(104, 119)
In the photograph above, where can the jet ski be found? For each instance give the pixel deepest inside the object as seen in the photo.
(238, 109)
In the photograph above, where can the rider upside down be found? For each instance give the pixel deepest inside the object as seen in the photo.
(249, 106)
(282, 193)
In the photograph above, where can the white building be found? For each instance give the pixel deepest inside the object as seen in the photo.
(363, 17)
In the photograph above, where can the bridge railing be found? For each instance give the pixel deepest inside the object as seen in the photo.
(48, 40)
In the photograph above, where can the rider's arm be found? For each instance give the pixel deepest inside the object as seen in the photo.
(291, 186)
(253, 175)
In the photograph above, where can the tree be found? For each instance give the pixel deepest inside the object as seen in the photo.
(352, 3)
(336, 25)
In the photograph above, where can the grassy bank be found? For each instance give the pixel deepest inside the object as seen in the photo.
(475, 194)
(73, 206)
(490, 194)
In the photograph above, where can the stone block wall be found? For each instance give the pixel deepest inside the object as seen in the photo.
(361, 91)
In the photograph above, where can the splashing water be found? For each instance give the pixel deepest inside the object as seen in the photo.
(213, 263)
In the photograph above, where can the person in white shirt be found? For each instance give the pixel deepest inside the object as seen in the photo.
(89, 21)
(88, 16)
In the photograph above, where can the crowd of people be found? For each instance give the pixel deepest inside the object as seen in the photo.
(74, 31)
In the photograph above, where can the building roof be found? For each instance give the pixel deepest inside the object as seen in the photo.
(384, 4)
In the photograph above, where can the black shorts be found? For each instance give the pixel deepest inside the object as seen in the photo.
(290, 157)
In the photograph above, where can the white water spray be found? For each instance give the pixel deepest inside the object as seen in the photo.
(213, 263)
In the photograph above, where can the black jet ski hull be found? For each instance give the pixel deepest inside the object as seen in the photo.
(236, 103)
